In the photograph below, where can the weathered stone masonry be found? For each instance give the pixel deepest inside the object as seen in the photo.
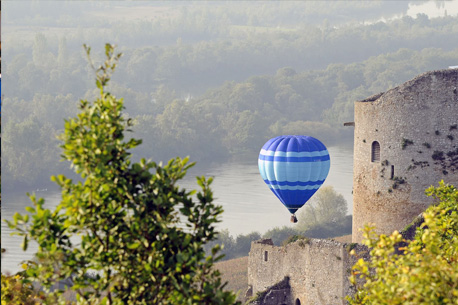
(318, 269)
(415, 125)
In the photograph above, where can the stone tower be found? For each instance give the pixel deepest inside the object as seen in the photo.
(406, 140)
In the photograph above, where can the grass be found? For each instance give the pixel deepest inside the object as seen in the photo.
(235, 272)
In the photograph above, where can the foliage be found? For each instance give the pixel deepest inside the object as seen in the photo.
(240, 246)
(295, 238)
(278, 235)
(226, 243)
(243, 243)
(326, 207)
(14, 291)
(331, 229)
(243, 95)
(426, 269)
(127, 231)
(233, 248)
(324, 217)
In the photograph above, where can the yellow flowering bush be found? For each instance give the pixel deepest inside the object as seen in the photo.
(426, 269)
(15, 291)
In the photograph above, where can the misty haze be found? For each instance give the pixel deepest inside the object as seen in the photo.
(209, 80)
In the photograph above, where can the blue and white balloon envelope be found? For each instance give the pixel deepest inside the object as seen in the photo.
(294, 168)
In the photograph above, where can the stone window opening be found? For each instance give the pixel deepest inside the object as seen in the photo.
(298, 302)
(392, 171)
(375, 155)
(266, 255)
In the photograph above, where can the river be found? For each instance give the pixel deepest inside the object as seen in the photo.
(248, 203)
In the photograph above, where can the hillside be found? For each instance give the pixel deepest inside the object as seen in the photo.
(234, 271)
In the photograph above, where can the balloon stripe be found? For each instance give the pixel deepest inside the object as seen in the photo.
(294, 183)
(293, 188)
(297, 198)
(294, 153)
(303, 170)
(294, 159)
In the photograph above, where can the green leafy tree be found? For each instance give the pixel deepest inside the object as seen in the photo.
(233, 248)
(278, 235)
(243, 243)
(125, 234)
(426, 269)
(326, 207)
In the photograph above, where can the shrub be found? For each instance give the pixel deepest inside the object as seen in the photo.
(294, 238)
(426, 269)
(16, 291)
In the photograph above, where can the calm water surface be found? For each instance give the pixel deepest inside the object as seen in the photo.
(248, 203)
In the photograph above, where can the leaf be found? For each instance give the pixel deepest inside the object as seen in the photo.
(30, 209)
(200, 181)
(25, 243)
(133, 246)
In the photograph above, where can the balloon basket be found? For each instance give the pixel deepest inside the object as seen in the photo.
(293, 218)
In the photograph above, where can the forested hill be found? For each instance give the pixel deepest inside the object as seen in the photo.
(211, 83)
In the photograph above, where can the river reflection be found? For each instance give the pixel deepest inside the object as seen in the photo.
(248, 203)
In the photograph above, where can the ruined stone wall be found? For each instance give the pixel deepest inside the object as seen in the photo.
(416, 127)
(318, 270)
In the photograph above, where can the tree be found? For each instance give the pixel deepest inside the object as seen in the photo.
(243, 243)
(233, 248)
(326, 207)
(126, 234)
(426, 270)
(225, 241)
(278, 235)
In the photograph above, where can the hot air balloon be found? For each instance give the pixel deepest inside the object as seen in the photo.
(294, 168)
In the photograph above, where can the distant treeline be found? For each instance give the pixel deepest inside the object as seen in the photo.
(235, 119)
(137, 24)
(213, 98)
(194, 65)
(239, 246)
